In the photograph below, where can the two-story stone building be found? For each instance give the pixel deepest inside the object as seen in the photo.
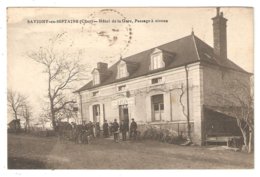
(165, 85)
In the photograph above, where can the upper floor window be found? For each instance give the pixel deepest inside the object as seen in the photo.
(95, 93)
(122, 70)
(157, 80)
(121, 87)
(96, 78)
(157, 59)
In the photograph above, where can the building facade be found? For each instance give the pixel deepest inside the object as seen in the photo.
(171, 84)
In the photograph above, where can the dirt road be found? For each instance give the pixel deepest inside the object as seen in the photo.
(25, 151)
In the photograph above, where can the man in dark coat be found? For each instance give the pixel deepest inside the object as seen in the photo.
(110, 128)
(124, 129)
(105, 129)
(91, 128)
(116, 131)
(133, 129)
(97, 129)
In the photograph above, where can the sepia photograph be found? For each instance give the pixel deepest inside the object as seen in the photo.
(130, 88)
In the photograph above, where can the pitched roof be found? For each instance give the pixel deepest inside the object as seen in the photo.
(186, 50)
(206, 53)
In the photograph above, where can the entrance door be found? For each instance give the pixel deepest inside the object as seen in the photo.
(96, 113)
(123, 113)
(157, 107)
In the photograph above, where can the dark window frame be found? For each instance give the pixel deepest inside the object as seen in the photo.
(95, 93)
(156, 80)
(119, 88)
(157, 102)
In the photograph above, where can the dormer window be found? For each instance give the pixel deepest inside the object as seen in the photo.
(122, 70)
(96, 77)
(157, 60)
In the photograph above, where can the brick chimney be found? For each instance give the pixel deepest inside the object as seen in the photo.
(220, 34)
(102, 66)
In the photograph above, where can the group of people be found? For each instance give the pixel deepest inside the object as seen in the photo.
(109, 129)
(92, 127)
(115, 129)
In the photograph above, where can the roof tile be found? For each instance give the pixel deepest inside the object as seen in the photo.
(186, 50)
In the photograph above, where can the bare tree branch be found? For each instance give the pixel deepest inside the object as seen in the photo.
(63, 69)
(237, 100)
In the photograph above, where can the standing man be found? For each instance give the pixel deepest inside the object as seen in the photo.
(116, 131)
(124, 129)
(91, 128)
(94, 129)
(133, 129)
(110, 128)
(98, 129)
(105, 129)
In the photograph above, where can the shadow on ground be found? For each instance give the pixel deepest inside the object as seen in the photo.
(25, 163)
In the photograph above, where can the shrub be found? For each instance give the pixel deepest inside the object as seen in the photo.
(159, 133)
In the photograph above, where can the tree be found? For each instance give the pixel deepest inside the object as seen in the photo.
(237, 100)
(15, 103)
(26, 114)
(44, 116)
(68, 112)
(185, 112)
(62, 68)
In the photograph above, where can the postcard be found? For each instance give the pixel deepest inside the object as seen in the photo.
(130, 88)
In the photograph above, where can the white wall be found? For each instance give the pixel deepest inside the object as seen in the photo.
(142, 90)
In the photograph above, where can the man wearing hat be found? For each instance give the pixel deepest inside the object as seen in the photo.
(124, 129)
(105, 129)
(133, 129)
(116, 131)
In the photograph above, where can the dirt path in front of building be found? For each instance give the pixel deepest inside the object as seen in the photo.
(25, 151)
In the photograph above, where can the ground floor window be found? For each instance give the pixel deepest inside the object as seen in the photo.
(157, 107)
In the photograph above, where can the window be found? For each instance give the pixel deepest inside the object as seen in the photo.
(96, 78)
(122, 70)
(157, 107)
(161, 106)
(122, 88)
(95, 93)
(157, 60)
(157, 80)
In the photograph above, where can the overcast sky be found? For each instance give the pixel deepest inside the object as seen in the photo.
(107, 41)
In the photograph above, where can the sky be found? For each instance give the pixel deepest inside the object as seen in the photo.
(108, 41)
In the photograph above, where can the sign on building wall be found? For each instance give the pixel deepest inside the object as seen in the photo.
(123, 101)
